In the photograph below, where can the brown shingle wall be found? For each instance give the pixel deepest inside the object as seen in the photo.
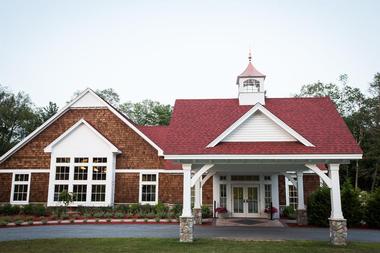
(310, 184)
(5, 186)
(207, 192)
(136, 152)
(170, 188)
(39, 186)
(127, 188)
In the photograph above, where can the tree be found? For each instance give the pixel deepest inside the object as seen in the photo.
(147, 112)
(47, 112)
(17, 118)
(109, 95)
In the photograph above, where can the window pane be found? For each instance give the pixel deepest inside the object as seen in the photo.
(81, 160)
(22, 177)
(223, 195)
(99, 172)
(268, 195)
(149, 177)
(58, 188)
(98, 193)
(20, 192)
(293, 196)
(80, 192)
(62, 172)
(148, 193)
(99, 160)
(62, 160)
(80, 172)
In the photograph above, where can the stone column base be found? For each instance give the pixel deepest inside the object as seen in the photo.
(338, 231)
(186, 229)
(301, 217)
(197, 215)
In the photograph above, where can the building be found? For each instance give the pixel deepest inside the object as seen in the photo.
(245, 154)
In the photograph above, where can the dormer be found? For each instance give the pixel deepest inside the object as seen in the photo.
(251, 85)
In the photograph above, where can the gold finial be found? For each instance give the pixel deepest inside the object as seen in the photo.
(250, 56)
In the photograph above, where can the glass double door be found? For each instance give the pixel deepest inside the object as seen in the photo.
(245, 202)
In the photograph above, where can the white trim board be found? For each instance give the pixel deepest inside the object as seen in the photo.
(74, 104)
(265, 157)
(24, 170)
(271, 116)
(148, 170)
(48, 149)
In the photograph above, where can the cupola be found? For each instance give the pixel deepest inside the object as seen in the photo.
(251, 85)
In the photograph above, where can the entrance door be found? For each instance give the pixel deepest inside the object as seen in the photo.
(245, 200)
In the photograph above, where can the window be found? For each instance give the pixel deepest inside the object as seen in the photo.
(223, 178)
(62, 172)
(99, 159)
(251, 85)
(99, 172)
(267, 178)
(293, 197)
(148, 188)
(98, 193)
(223, 195)
(58, 189)
(62, 160)
(244, 178)
(20, 187)
(268, 195)
(80, 172)
(81, 160)
(80, 192)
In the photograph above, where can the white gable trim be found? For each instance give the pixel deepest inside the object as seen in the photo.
(48, 149)
(266, 112)
(65, 109)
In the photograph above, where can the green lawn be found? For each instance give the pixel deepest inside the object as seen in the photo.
(172, 245)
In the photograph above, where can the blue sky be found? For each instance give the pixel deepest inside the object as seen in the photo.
(165, 50)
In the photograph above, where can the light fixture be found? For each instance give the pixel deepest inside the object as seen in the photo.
(83, 168)
(95, 169)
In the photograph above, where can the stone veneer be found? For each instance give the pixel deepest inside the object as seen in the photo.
(186, 229)
(301, 217)
(338, 231)
(197, 215)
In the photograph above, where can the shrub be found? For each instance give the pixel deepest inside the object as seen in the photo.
(161, 208)
(9, 209)
(122, 208)
(157, 219)
(134, 209)
(206, 212)
(27, 209)
(18, 222)
(108, 215)
(289, 212)
(87, 215)
(176, 210)
(44, 221)
(372, 213)
(147, 209)
(119, 215)
(30, 222)
(99, 215)
(3, 222)
(319, 208)
(145, 220)
(351, 205)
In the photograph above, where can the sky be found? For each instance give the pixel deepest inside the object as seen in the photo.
(165, 50)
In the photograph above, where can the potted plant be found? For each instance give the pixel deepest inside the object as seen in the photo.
(270, 211)
(221, 212)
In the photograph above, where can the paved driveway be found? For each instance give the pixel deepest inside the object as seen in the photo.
(171, 231)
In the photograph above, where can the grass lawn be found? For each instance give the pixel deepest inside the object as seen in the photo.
(172, 245)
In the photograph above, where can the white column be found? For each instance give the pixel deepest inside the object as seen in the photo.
(336, 206)
(186, 210)
(275, 196)
(300, 194)
(197, 192)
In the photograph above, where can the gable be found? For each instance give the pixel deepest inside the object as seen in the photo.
(81, 139)
(89, 99)
(258, 128)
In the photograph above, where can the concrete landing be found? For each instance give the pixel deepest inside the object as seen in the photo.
(248, 222)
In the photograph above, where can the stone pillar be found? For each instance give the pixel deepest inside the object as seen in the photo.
(301, 217)
(338, 231)
(197, 216)
(186, 219)
(301, 210)
(186, 233)
(338, 225)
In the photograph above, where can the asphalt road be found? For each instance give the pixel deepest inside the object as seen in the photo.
(172, 231)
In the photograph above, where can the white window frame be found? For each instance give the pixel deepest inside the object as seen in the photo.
(148, 183)
(108, 182)
(23, 202)
(287, 184)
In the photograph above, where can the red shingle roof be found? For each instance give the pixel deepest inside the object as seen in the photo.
(197, 122)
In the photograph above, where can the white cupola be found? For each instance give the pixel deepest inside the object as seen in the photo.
(251, 85)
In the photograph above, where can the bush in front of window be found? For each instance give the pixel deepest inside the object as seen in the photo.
(34, 209)
(176, 210)
(9, 209)
(206, 212)
(289, 212)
